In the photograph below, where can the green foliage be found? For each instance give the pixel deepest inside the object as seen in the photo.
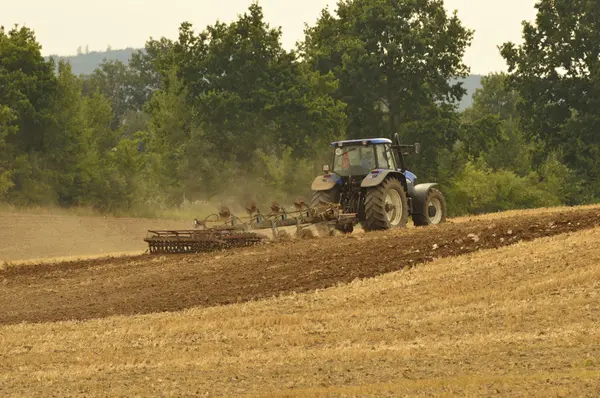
(246, 90)
(394, 60)
(478, 189)
(510, 150)
(28, 84)
(123, 86)
(494, 97)
(282, 176)
(557, 76)
(6, 128)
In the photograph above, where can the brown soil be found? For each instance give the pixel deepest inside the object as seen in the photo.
(144, 284)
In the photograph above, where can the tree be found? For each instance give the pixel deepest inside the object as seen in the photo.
(120, 84)
(557, 74)
(29, 84)
(491, 127)
(394, 59)
(247, 90)
(66, 145)
(6, 128)
(494, 97)
(173, 129)
(28, 89)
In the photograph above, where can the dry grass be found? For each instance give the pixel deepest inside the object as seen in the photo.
(523, 212)
(521, 321)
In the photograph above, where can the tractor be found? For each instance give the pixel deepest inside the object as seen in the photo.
(368, 177)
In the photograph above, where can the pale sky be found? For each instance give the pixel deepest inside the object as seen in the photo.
(63, 25)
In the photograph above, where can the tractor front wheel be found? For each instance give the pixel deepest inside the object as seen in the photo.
(434, 211)
(386, 206)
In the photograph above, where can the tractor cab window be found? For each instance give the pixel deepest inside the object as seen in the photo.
(385, 157)
(382, 159)
(391, 157)
(354, 160)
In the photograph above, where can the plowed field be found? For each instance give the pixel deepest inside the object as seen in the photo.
(143, 284)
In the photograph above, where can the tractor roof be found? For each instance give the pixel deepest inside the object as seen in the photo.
(367, 140)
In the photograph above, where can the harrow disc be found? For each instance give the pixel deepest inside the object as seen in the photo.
(197, 241)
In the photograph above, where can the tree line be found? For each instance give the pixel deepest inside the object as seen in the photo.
(229, 113)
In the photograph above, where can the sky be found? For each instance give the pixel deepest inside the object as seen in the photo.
(61, 26)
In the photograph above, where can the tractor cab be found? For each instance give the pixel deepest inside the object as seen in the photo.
(369, 157)
(360, 157)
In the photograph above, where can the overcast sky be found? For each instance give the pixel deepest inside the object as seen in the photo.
(63, 25)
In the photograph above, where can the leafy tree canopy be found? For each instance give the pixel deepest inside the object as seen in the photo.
(557, 74)
(394, 58)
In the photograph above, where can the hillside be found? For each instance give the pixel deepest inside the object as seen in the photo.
(85, 64)
(515, 321)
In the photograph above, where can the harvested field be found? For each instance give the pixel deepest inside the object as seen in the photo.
(82, 290)
(518, 321)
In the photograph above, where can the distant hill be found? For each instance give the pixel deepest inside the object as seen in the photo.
(85, 64)
(471, 83)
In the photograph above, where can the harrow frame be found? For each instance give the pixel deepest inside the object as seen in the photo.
(229, 231)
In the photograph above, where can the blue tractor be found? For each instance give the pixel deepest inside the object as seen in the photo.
(368, 177)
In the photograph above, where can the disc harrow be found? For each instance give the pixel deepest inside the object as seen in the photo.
(197, 241)
(229, 231)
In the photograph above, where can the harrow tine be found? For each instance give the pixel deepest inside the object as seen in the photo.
(251, 208)
(275, 207)
(224, 213)
(299, 203)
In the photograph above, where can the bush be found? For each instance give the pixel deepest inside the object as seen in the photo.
(477, 189)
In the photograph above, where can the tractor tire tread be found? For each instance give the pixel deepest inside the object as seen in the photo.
(375, 215)
(320, 198)
(422, 220)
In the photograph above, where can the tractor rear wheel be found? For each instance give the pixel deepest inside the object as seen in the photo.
(386, 206)
(325, 198)
(434, 211)
(322, 199)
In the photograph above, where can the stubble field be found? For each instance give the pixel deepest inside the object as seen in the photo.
(503, 304)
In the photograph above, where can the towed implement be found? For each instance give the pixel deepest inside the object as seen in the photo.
(228, 231)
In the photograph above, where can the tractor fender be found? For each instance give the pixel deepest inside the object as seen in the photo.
(419, 196)
(326, 182)
(376, 177)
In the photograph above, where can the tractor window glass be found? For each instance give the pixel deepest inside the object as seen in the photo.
(382, 160)
(391, 158)
(354, 160)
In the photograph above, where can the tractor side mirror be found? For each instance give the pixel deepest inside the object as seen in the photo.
(325, 168)
(417, 148)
